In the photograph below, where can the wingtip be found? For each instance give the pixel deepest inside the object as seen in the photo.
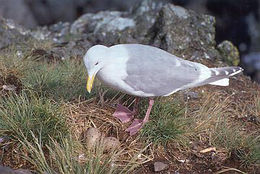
(237, 71)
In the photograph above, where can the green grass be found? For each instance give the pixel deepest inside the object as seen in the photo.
(165, 124)
(62, 81)
(34, 118)
(23, 113)
(64, 158)
(241, 146)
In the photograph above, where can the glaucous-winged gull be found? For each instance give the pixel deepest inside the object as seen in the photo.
(146, 71)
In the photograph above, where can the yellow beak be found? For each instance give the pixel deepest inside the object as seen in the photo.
(90, 83)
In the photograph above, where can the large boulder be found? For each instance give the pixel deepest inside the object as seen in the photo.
(19, 11)
(177, 30)
(184, 33)
(104, 27)
(8, 170)
(11, 33)
(47, 12)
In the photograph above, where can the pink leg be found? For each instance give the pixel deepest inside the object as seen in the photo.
(137, 123)
(136, 108)
(124, 114)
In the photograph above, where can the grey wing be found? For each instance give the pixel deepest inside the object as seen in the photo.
(158, 72)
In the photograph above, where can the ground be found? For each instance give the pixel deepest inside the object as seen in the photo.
(208, 129)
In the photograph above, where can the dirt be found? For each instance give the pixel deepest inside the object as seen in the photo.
(10, 80)
(241, 92)
(45, 56)
(82, 115)
(12, 157)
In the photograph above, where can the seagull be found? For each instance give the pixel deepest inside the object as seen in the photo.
(147, 71)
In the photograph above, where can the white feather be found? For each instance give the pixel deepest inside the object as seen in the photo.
(222, 82)
(114, 77)
(236, 72)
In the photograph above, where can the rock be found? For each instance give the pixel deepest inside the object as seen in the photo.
(230, 53)
(31, 13)
(60, 32)
(92, 137)
(19, 11)
(160, 166)
(110, 144)
(172, 28)
(10, 33)
(8, 170)
(254, 119)
(191, 95)
(47, 12)
(22, 171)
(184, 33)
(9, 87)
(251, 64)
(2, 139)
(257, 76)
(145, 14)
(104, 27)
(94, 23)
(112, 27)
(179, 31)
(93, 6)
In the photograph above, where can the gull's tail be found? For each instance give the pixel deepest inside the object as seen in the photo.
(219, 76)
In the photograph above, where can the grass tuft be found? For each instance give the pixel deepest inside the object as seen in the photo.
(165, 124)
(64, 81)
(33, 117)
(241, 147)
(23, 113)
(70, 157)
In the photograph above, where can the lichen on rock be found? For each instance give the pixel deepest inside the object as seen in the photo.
(229, 52)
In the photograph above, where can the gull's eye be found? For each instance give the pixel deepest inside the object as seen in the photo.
(96, 63)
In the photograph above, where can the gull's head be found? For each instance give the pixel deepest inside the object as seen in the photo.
(94, 61)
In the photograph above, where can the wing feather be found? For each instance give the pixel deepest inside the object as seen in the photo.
(154, 71)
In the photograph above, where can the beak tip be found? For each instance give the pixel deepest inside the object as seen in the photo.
(90, 83)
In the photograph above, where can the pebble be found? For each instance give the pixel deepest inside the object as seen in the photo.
(160, 166)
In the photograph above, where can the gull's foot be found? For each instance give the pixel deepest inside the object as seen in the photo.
(135, 126)
(123, 114)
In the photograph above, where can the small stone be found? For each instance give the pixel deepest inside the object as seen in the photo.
(191, 95)
(110, 144)
(160, 166)
(6, 170)
(2, 139)
(9, 87)
(253, 119)
(92, 137)
(22, 171)
(82, 157)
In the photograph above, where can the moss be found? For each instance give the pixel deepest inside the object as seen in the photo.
(230, 53)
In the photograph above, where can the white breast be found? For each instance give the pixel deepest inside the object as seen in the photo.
(114, 71)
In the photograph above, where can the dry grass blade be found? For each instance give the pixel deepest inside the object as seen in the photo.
(37, 93)
(210, 112)
(229, 170)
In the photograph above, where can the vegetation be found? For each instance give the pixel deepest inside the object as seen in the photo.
(166, 123)
(45, 109)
